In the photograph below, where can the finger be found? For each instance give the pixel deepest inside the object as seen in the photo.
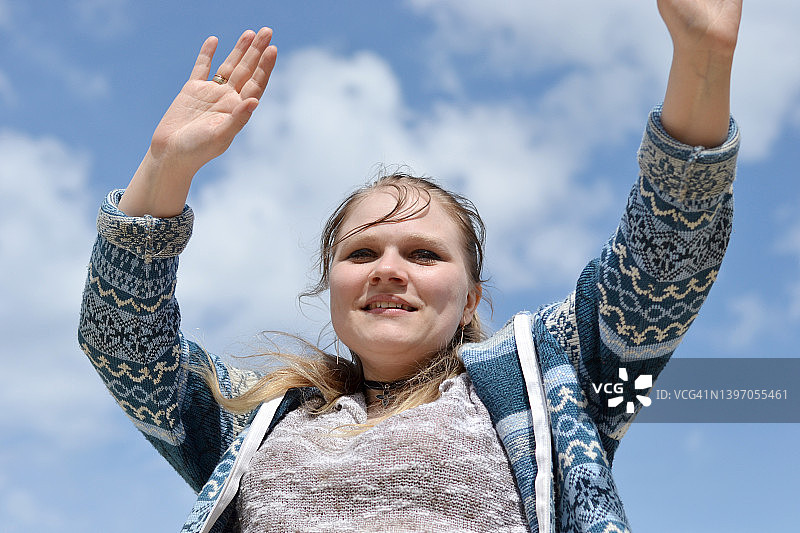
(202, 65)
(257, 84)
(244, 70)
(242, 45)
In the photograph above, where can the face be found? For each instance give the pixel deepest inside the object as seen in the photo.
(399, 291)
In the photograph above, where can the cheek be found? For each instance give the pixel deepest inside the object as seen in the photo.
(449, 292)
(337, 285)
(346, 284)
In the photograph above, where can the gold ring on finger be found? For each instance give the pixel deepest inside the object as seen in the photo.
(219, 78)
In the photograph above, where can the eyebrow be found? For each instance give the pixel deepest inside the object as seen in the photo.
(418, 239)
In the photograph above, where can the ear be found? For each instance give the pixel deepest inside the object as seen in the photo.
(473, 299)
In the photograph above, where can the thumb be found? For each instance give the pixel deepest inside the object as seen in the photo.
(242, 113)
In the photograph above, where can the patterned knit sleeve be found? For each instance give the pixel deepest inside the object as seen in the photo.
(633, 304)
(129, 329)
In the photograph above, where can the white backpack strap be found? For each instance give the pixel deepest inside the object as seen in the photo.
(255, 435)
(543, 484)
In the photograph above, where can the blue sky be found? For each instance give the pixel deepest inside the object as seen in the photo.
(532, 109)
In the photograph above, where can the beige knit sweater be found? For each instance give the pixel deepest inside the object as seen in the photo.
(437, 467)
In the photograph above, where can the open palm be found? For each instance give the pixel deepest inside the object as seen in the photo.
(206, 116)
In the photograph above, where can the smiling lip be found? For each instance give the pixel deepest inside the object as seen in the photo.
(387, 302)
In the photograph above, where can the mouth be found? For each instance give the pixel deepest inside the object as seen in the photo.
(384, 304)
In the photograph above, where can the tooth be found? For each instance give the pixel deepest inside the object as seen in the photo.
(389, 305)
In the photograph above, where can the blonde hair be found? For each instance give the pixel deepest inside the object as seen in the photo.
(334, 376)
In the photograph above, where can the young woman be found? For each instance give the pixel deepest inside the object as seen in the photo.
(433, 426)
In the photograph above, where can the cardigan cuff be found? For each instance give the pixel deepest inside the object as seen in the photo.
(693, 178)
(146, 237)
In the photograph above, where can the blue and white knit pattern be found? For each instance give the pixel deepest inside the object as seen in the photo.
(146, 237)
(631, 308)
(130, 331)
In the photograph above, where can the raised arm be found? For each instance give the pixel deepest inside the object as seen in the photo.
(200, 124)
(696, 107)
(633, 305)
(130, 320)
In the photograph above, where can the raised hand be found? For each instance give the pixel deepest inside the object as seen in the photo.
(704, 34)
(200, 124)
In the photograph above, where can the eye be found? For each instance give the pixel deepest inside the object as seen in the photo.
(425, 256)
(362, 254)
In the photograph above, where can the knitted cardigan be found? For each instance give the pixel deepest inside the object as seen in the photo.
(630, 309)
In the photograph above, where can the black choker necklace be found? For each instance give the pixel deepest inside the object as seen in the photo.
(386, 387)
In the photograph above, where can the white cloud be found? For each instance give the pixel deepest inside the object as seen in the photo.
(325, 123)
(45, 238)
(600, 79)
(519, 36)
(766, 78)
(589, 38)
(43, 209)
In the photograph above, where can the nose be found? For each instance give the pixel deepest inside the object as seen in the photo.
(389, 268)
